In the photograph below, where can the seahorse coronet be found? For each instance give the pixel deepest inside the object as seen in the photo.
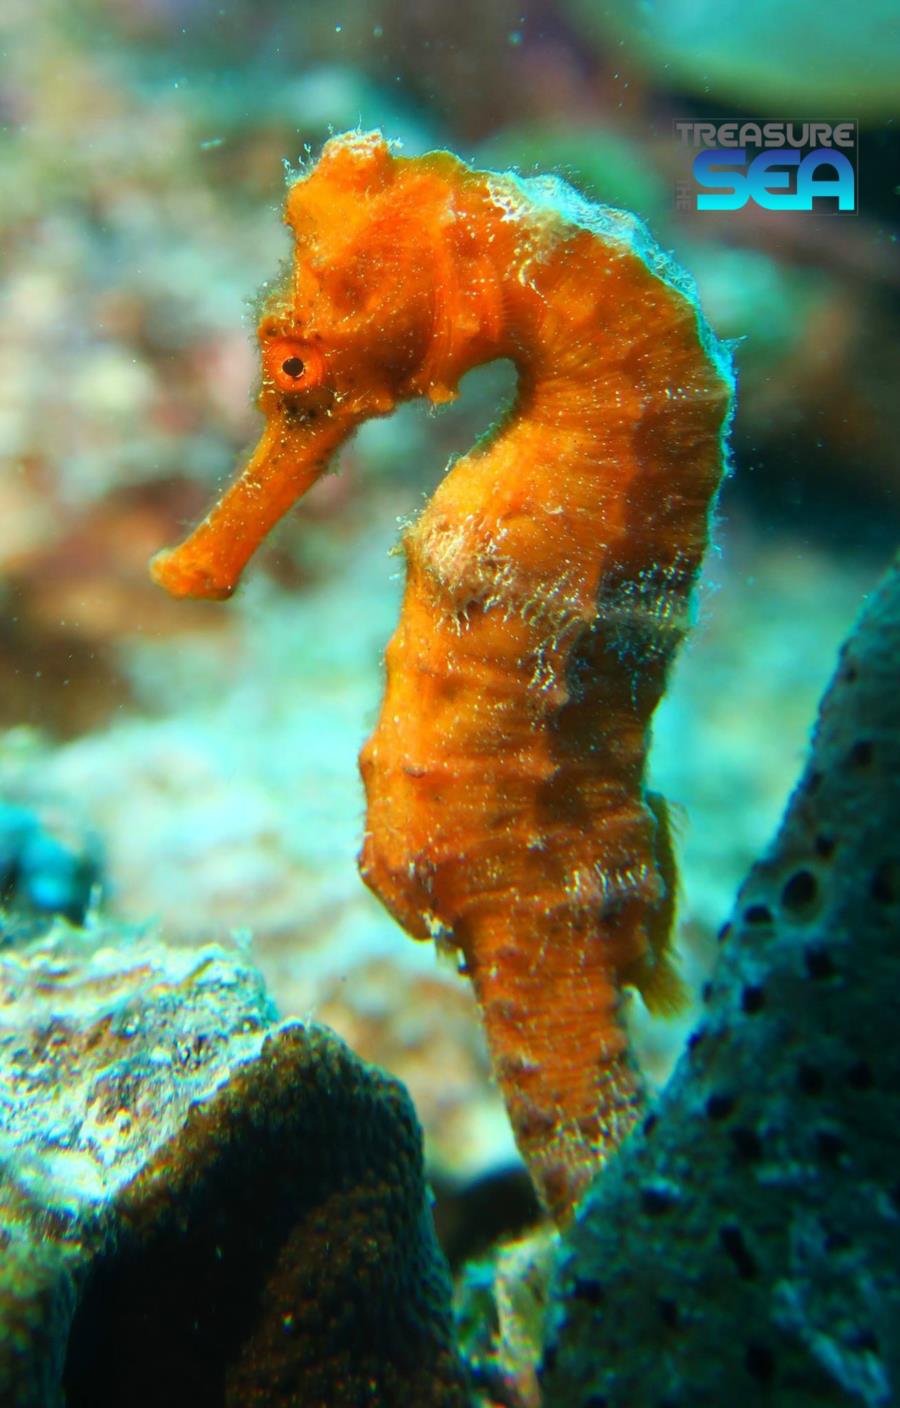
(549, 583)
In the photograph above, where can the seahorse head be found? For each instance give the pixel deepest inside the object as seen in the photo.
(379, 305)
(375, 282)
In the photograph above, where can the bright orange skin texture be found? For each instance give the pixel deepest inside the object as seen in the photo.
(547, 588)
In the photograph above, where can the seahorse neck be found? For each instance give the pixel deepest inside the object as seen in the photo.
(538, 295)
(621, 394)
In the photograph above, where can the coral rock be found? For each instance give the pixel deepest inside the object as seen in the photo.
(198, 1205)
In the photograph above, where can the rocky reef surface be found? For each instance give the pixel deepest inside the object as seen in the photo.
(199, 1205)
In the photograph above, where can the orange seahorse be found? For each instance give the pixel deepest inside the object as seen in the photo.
(548, 585)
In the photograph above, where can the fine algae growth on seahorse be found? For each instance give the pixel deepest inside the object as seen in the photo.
(548, 586)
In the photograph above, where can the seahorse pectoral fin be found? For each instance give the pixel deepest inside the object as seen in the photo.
(293, 452)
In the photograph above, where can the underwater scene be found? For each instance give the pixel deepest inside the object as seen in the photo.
(449, 704)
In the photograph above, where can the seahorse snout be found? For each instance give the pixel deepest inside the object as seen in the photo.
(290, 457)
(183, 574)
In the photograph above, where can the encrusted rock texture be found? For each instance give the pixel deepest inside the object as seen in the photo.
(199, 1206)
(745, 1247)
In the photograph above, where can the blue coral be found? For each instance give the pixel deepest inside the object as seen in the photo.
(40, 874)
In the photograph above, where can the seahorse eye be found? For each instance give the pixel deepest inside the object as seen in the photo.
(292, 365)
